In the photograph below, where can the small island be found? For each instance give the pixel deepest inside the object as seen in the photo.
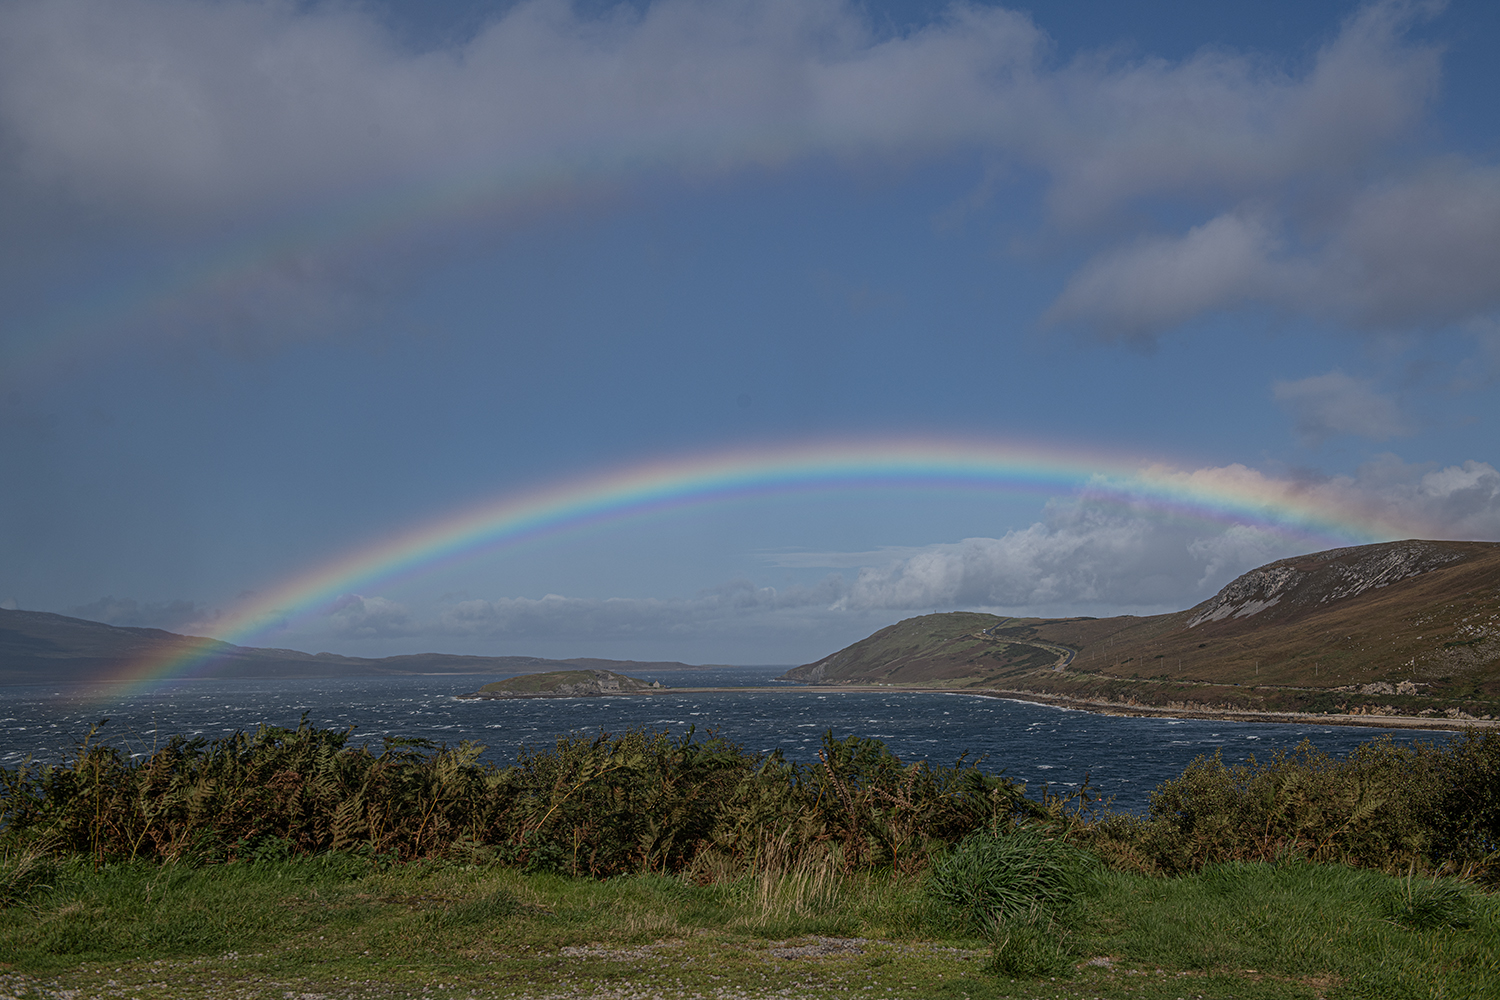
(565, 684)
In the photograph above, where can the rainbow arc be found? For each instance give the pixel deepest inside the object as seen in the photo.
(1234, 495)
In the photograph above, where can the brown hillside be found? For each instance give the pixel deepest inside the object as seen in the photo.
(1411, 625)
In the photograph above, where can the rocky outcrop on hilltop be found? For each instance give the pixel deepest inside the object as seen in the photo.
(1307, 581)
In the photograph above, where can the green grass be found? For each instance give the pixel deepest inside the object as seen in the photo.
(336, 926)
(1326, 926)
(210, 870)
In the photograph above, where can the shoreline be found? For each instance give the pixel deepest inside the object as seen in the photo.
(1443, 724)
(1122, 709)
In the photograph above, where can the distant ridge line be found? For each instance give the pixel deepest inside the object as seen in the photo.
(41, 647)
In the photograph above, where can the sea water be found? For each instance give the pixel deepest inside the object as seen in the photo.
(1123, 758)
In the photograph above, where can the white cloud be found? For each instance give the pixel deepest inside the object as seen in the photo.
(1415, 251)
(189, 106)
(1096, 555)
(1455, 501)
(1093, 555)
(1159, 283)
(1238, 548)
(1224, 125)
(592, 618)
(1412, 500)
(802, 559)
(1324, 406)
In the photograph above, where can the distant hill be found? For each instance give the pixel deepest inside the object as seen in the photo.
(564, 684)
(1409, 627)
(39, 647)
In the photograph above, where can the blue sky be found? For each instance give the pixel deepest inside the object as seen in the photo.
(282, 279)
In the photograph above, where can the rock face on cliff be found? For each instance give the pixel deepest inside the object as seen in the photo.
(1303, 582)
(564, 684)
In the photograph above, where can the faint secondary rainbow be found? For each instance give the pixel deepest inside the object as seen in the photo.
(1232, 495)
(384, 215)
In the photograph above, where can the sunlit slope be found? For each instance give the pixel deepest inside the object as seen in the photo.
(942, 647)
(1326, 631)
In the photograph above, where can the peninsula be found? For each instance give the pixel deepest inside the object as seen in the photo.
(564, 684)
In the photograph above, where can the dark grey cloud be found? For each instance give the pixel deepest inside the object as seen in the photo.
(174, 616)
(186, 116)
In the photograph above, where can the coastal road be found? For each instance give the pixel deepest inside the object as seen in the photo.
(1063, 653)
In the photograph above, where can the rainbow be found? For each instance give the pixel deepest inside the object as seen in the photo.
(1233, 495)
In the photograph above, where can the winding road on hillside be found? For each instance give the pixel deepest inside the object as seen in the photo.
(1063, 653)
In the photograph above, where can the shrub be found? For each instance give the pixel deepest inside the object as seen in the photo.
(1386, 806)
(598, 806)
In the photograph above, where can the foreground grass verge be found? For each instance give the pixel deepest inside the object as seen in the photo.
(334, 927)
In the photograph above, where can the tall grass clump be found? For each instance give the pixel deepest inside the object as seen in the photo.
(1021, 889)
(787, 887)
(25, 873)
(991, 877)
(1423, 904)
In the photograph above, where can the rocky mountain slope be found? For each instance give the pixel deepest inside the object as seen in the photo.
(1393, 627)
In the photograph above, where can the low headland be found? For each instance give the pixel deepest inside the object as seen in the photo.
(565, 684)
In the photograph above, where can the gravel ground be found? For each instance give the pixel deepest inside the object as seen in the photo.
(14, 987)
(207, 979)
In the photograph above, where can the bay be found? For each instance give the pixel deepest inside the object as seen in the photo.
(1124, 758)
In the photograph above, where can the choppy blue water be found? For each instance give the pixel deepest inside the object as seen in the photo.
(1124, 758)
